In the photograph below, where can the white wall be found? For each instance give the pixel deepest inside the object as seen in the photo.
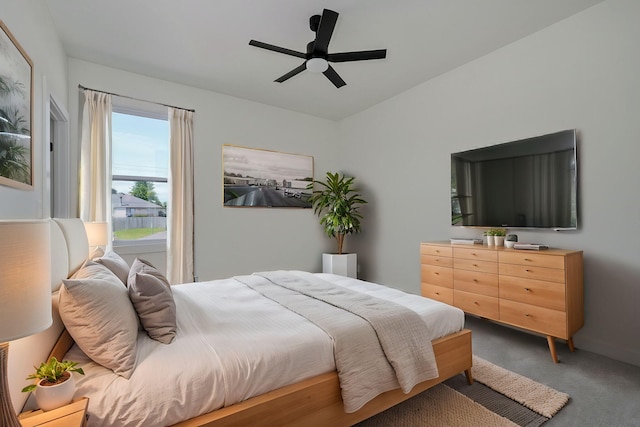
(580, 73)
(229, 241)
(30, 24)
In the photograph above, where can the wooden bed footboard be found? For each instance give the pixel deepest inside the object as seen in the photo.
(317, 401)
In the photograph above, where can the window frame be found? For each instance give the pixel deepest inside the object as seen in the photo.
(133, 107)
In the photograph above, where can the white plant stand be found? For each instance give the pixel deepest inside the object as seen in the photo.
(343, 264)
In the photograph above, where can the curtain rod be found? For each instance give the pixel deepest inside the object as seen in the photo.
(136, 99)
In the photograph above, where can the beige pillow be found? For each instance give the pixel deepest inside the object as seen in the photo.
(116, 264)
(96, 253)
(93, 270)
(152, 298)
(99, 316)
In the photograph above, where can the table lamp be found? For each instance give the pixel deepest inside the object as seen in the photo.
(25, 293)
(96, 234)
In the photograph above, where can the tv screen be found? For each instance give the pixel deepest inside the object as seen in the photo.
(531, 183)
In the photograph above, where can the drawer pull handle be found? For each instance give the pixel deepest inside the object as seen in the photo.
(437, 293)
(436, 273)
(527, 315)
(527, 259)
(476, 303)
(475, 265)
(475, 280)
(527, 270)
(527, 289)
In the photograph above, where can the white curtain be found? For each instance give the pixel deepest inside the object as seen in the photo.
(180, 210)
(95, 158)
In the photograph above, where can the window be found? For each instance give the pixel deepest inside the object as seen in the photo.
(140, 171)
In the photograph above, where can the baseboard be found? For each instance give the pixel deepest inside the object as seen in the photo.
(608, 349)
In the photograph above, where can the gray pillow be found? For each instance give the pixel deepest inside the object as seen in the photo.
(99, 316)
(116, 264)
(152, 298)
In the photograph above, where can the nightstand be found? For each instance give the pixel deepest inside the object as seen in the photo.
(72, 415)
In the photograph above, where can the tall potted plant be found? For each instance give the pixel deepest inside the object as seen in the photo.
(336, 202)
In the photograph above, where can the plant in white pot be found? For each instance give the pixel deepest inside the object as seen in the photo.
(55, 385)
(499, 235)
(337, 203)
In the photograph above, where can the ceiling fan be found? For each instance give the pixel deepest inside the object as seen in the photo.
(317, 57)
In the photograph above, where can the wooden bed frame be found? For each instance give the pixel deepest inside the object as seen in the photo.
(317, 401)
(314, 402)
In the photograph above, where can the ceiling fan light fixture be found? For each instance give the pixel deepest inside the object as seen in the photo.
(317, 65)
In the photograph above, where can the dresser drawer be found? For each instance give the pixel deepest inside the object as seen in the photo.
(474, 265)
(480, 305)
(441, 261)
(473, 253)
(532, 272)
(436, 250)
(476, 282)
(438, 293)
(539, 319)
(434, 275)
(531, 259)
(536, 292)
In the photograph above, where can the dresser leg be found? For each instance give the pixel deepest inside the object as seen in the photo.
(552, 348)
(467, 373)
(570, 344)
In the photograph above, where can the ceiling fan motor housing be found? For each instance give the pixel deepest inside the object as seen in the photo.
(317, 57)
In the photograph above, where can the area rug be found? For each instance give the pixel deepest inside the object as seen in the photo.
(498, 397)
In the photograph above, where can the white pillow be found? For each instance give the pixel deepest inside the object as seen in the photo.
(99, 316)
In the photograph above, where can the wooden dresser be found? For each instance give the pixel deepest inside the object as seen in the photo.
(540, 291)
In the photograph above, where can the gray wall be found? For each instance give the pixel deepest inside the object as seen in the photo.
(580, 73)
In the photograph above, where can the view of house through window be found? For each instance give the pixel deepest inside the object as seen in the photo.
(140, 169)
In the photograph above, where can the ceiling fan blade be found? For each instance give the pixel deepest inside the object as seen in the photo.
(325, 30)
(334, 77)
(277, 49)
(292, 73)
(357, 56)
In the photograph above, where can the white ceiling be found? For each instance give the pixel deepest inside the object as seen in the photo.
(204, 43)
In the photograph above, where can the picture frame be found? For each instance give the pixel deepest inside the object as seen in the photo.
(16, 113)
(255, 177)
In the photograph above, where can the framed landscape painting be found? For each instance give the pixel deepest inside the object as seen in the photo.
(16, 113)
(263, 178)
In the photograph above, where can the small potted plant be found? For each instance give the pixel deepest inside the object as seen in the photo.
(490, 237)
(498, 236)
(55, 385)
(337, 203)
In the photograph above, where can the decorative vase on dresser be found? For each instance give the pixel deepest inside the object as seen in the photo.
(540, 291)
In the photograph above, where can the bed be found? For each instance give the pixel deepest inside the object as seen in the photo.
(280, 368)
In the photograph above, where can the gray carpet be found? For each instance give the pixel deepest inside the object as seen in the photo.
(604, 392)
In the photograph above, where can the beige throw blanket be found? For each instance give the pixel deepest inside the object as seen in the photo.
(378, 345)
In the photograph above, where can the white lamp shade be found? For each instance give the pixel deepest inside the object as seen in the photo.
(96, 233)
(25, 276)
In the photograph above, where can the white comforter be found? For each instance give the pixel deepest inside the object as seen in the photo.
(231, 344)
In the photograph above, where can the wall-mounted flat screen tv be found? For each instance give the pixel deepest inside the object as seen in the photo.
(531, 183)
